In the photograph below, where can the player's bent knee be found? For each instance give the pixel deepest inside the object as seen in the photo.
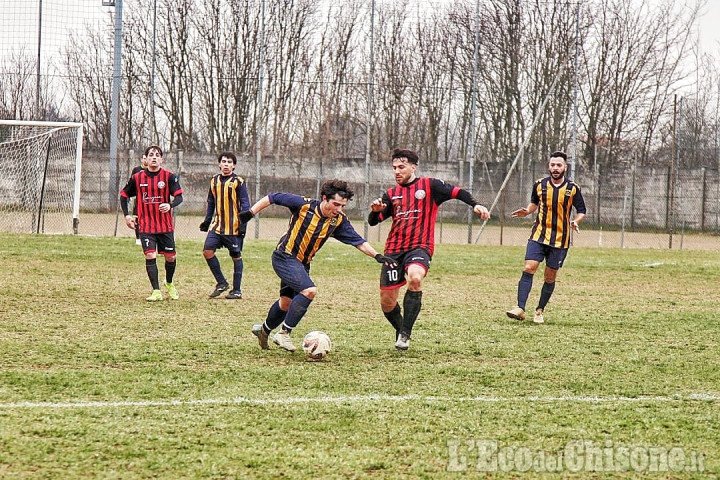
(170, 258)
(309, 292)
(208, 254)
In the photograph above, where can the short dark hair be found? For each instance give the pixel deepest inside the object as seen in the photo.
(229, 155)
(336, 187)
(147, 150)
(559, 154)
(409, 154)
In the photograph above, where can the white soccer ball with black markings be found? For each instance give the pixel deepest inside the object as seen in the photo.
(316, 344)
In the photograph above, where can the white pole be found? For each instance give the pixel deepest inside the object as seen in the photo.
(78, 178)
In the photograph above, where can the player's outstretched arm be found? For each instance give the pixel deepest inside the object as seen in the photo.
(259, 206)
(368, 250)
(524, 211)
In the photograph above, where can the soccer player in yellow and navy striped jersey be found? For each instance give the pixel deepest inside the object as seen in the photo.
(228, 196)
(312, 223)
(553, 198)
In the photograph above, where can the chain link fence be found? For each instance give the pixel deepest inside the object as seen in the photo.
(637, 207)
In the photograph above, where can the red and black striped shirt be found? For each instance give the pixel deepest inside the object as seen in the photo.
(413, 208)
(152, 189)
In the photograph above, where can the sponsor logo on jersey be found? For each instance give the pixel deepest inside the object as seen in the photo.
(148, 199)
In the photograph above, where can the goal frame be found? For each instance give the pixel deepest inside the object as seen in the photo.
(78, 158)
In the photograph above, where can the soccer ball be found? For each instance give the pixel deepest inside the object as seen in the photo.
(316, 344)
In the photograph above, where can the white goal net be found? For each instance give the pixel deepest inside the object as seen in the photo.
(40, 165)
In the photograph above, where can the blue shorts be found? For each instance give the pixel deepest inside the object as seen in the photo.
(294, 275)
(234, 243)
(554, 257)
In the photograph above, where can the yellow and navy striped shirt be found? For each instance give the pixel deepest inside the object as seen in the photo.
(555, 203)
(309, 229)
(228, 196)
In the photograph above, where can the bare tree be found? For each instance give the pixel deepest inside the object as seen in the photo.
(90, 84)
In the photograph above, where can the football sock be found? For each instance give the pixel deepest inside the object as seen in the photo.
(237, 273)
(170, 270)
(524, 287)
(274, 318)
(545, 294)
(298, 307)
(411, 305)
(395, 317)
(152, 273)
(214, 265)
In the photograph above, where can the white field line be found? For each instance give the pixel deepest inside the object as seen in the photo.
(360, 399)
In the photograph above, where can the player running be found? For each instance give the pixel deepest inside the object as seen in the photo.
(554, 198)
(413, 205)
(312, 223)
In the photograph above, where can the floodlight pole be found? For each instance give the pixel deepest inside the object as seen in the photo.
(259, 117)
(573, 154)
(39, 44)
(115, 105)
(370, 94)
(473, 114)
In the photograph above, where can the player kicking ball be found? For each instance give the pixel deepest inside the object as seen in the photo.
(312, 223)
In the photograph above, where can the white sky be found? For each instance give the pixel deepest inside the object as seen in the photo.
(709, 26)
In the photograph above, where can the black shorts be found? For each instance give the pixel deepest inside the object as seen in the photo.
(164, 243)
(391, 278)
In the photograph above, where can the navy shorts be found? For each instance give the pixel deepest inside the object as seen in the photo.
(294, 275)
(234, 243)
(164, 243)
(391, 278)
(554, 257)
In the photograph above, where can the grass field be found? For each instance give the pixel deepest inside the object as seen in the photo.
(622, 381)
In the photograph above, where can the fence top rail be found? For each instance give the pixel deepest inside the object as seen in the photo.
(35, 123)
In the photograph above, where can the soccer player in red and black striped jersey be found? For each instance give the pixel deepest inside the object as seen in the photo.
(228, 196)
(553, 197)
(157, 192)
(312, 223)
(413, 205)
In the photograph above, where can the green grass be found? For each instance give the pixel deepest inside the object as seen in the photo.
(628, 358)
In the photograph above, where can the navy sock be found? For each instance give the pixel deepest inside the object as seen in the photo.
(298, 307)
(170, 270)
(411, 305)
(274, 318)
(152, 273)
(214, 265)
(237, 273)
(524, 287)
(545, 294)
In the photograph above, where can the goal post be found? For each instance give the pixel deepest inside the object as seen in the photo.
(40, 176)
